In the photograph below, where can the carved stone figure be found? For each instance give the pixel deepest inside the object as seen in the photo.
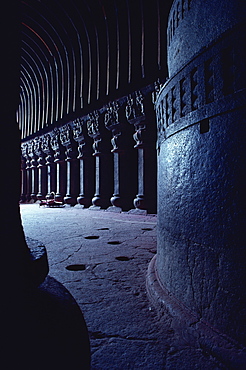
(135, 107)
(46, 147)
(93, 124)
(24, 152)
(111, 118)
(78, 129)
(38, 151)
(79, 136)
(65, 134)
(66, 140)
(31, 153)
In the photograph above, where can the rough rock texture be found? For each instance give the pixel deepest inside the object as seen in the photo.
(195, 24)
(201, 197)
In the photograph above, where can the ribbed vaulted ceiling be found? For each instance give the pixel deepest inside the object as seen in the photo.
(80, 54)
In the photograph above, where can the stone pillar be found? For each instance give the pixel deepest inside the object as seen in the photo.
(122, 161)
(28, 170)
(23, 181)
(198, 274)
(136, 116)
(111, 121)
(23, 173)
(72, 165)
(42, 181)
(33, 171)
(50, 166)
(28, 181)
(86, 173)
(60, 165)
(103, 162)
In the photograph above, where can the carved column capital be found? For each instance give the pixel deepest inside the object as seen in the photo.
(38, 151)
(139, 137)
(135, 112)
(67, 141)
(94, 132)
(135, 115)
(31, 154)
(77, 127)
(111, 118)
(24, 154)
(112, 123)
(78, 136)
(56, 145)
(93, 124)
(46, 148)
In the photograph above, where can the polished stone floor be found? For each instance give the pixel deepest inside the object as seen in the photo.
(101, 258)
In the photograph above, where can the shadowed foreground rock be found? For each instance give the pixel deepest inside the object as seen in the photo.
(41, 326)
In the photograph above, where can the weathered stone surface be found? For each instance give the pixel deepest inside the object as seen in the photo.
(201, 196)
(39, 266)
(194, 27)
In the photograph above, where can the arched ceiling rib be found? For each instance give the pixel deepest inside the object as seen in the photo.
(78, 54)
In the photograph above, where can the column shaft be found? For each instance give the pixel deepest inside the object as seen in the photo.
(51, 179)
(61, 180)
(42, 181)
(103, 184)
(23, 184)
(72, 184)
(28, 184)
(86, 180)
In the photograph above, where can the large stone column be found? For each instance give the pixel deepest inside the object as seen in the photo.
(41, 168)
(103, 162)
(50, 166)
(86, 168)
(24, 173)
(146, 157)
(198, 274)
(28, 181)
(60, 164)
(124, 163)
(71, 164)
(33, 171)
(23, 180)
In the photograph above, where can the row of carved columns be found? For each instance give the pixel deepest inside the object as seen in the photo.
(104, 159)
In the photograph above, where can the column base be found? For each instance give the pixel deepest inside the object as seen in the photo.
(191, 328)
(114, 209)
(95, 208)
(40, 196)
(58, 197)
(85, 202)
(79, 206)
(139, 202)
(100, 202)
(34, 197)
(116, 200)
(138, 211)
(69, 200)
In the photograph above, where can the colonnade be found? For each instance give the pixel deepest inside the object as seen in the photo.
(106, 159)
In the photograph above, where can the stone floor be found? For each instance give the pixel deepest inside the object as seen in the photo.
(102, 258)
